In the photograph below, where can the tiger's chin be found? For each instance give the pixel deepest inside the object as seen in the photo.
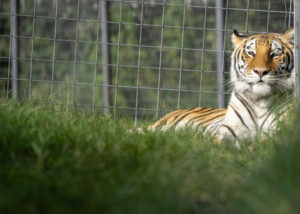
(261, 90)
(256, 91)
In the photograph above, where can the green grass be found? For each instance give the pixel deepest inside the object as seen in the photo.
(54, 161)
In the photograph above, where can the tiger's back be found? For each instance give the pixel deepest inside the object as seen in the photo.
(198, 118)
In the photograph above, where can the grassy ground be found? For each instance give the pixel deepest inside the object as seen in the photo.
(61, 162)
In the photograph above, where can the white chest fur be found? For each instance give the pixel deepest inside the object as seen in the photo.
(246, 119)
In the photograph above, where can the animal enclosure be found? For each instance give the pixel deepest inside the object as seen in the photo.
(139, 58)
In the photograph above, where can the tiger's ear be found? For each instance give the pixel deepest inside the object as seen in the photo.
(289, 35)
(237, 38)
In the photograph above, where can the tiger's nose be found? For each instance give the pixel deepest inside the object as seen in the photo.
(261, 72)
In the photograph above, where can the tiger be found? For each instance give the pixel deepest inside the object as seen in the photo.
(262, 77)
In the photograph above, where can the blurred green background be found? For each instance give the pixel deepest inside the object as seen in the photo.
(37, 30)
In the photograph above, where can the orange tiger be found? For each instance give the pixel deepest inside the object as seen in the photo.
(262, 75)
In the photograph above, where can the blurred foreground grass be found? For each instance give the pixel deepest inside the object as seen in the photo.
(54, 161)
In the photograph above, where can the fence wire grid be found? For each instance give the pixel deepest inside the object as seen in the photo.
(139, 59)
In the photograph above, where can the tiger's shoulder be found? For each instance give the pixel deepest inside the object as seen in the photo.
(197, 118)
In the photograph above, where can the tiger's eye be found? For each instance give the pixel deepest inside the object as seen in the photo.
(277, 52)
(251, 53)
(275, 55)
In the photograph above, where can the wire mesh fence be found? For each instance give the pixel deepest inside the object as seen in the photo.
(139, 58)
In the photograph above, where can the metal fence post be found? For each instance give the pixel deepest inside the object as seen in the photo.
(105, 56)
(14, 51)
(297, 43)
(220, 53)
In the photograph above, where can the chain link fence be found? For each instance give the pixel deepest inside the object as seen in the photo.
(137, 59)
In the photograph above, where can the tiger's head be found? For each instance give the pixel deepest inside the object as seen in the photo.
(263, 64)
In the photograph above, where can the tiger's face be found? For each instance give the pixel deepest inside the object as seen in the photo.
(263, 64)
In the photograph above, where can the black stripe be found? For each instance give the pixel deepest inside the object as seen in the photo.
(234, 58)
(237, 68)
(290, 50)
(213, 128)
(244, 102)
(208, 112)
(288, 61)
(291, 55)
(242, 58)
(236, 63)
(230, 130)
(213, 118)
(239, 116)
(186, 114)
(292, 63)
(261, 126)
(180, 113)
(248, 108)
